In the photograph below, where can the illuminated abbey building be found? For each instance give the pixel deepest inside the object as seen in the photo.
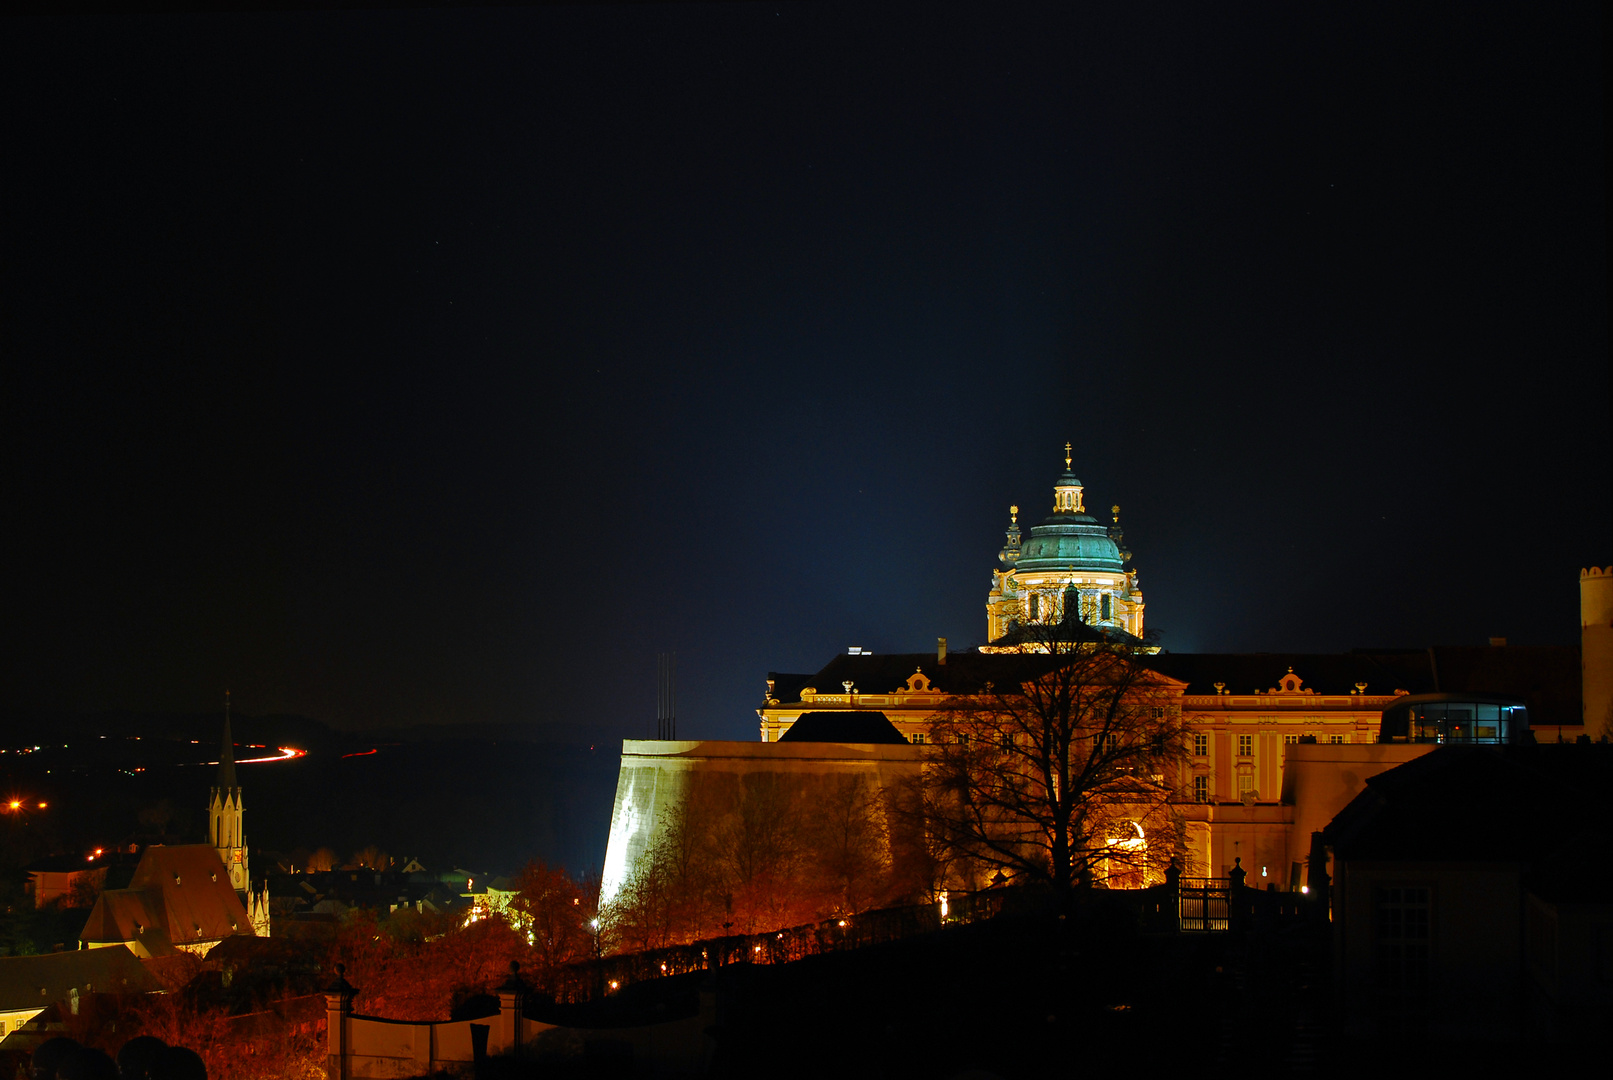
(1279, 742)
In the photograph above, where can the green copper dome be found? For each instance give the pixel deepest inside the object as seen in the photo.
(1067, 541)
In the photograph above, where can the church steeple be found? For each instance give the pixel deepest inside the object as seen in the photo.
(226, 753)
(225, 816)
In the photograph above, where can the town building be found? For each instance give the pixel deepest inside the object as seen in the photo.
(1470, 896)
(31, 984)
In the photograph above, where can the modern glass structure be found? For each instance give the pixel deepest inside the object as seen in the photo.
(1454, 718)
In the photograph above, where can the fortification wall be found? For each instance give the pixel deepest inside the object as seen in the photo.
(655, 775)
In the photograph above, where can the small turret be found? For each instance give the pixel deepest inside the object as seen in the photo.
(1010, 552)
(1117, 535)
(1067, 491)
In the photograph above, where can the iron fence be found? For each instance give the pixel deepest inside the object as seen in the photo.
(576, 983)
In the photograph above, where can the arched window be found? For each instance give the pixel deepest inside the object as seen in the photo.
(1036, 606)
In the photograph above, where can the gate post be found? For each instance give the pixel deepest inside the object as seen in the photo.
(338, 1008)
(511, 1003)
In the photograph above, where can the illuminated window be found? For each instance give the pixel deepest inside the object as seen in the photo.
(1201, 745)
(1336, 740)
(1201, 789)
(1246, 745)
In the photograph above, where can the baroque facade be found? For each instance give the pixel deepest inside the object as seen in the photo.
(1279, 742)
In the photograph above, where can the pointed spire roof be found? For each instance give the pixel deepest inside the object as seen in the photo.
(226, 756)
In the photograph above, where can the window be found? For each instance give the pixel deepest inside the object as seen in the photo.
(1290, 740)
(1201, 745)
(917, 739)
(1201, 789)
(1401, 932)
(1246, 745)
(1105, 608)
(1246, 784)
(1036, 606)
(1336, 740)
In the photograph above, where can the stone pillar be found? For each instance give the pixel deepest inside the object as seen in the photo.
(338, 1008)
(511, 1002)
(1596, 650)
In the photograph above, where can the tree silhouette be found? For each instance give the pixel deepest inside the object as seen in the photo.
(1063, 774)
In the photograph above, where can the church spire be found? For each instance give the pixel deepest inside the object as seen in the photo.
(226, 756)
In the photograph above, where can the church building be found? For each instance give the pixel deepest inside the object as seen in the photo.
(187, 897)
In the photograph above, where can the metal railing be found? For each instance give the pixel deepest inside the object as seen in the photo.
(576, 983)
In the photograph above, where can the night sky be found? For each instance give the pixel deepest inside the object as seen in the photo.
(445, 366)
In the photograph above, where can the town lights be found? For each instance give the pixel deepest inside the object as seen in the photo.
(1305, 889)
(14, 804)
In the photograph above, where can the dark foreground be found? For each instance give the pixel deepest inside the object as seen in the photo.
(1027, 996)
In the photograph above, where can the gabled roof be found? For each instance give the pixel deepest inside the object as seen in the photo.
(33, 982)
(200, 904)
(963, 672)
(179, 895)
(843, 726)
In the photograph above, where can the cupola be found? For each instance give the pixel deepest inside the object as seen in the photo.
(1067, 491)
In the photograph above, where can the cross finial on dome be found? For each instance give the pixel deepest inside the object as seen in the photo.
(1013, 514)
(1066, 455)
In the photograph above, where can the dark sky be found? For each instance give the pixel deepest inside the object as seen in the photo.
(446, 365)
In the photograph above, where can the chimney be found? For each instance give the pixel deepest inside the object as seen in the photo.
(941, 651)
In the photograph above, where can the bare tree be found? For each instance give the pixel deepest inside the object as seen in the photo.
(849, 836)
(1063, 774)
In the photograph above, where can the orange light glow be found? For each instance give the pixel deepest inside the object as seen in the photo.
(43, 805)
(16, 804)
